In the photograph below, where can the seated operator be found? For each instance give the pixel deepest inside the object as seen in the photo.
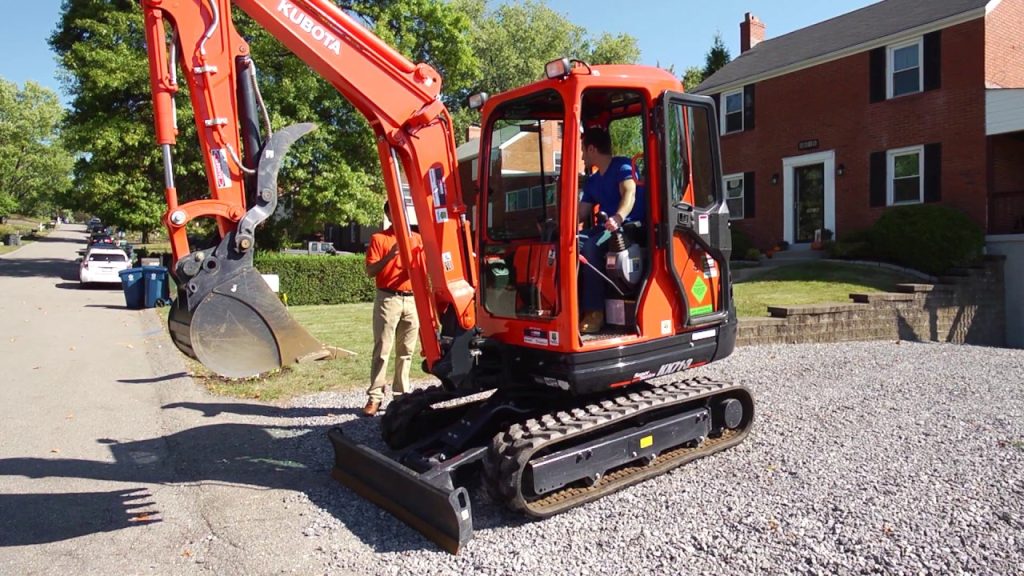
(614, 191)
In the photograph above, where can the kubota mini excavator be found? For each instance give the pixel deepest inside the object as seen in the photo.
(569, 417)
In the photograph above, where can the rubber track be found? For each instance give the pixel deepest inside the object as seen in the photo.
(398, 423)
(512, 450)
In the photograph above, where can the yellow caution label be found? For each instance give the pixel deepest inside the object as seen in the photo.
(647, 441)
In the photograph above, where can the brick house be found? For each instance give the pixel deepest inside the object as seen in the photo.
(899, 102)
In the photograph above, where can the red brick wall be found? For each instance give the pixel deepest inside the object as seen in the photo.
(1004, 56)
(831, 103)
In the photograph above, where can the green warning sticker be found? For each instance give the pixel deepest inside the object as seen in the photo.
(702, 310)
(699, 289)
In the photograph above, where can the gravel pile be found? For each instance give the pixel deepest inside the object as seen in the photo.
(864, 458)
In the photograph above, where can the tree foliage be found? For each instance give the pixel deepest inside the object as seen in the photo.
(333, 174)
(692, 77)
(35, 168)
(717, 56)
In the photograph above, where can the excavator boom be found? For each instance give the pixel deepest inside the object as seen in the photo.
(400, 101)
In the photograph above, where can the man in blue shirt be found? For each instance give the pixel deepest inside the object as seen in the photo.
(612, 189)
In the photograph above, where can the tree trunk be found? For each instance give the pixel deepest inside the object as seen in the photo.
(145, 236)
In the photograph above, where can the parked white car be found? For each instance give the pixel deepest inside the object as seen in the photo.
(101, 263)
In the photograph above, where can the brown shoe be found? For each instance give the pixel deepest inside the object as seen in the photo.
(592, 322)
(371, 408)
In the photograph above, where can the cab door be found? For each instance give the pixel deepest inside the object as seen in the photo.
(695, 229)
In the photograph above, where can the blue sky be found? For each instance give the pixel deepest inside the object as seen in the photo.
(670, 32)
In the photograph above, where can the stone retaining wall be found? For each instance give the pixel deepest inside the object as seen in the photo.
(968, 308)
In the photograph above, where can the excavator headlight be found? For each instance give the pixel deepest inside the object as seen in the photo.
(477, 101)
(557, 68)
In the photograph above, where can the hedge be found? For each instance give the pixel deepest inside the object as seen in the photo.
(926, 237)
(319, 279)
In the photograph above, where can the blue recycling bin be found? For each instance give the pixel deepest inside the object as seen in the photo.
(133, 286)
(157, 288)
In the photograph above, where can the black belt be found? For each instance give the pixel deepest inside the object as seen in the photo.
(396, 292)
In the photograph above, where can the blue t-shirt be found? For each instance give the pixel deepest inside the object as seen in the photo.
(603, 189)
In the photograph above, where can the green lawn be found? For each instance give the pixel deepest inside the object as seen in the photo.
(348, 326)
(23, 225)
(811, 283)
(345, 326)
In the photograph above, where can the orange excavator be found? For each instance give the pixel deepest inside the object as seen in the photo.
(546, 416)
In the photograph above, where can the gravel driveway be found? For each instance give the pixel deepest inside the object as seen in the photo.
(865, 458)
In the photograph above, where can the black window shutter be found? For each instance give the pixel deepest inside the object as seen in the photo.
(932, 60)
(748, 107)
(878, 74)
(718, 103)
(932, 172)
(878, 179)
(748, 195)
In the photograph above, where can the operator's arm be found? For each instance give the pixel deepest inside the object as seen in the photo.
(627, 188)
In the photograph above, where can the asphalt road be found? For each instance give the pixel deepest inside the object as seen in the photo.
(113, 461)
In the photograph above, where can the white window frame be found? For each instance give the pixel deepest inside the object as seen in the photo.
(743, 197)
(557, 161)
(890, 174)
(890, 68)
(723, 112)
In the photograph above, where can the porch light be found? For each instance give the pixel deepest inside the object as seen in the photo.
(557, 68)
(775, 179)
(841, 170)
(476, 101)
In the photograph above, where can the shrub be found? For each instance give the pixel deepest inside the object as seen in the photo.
(752, 254)
(926, 237)
(319, 279)
(741, 244)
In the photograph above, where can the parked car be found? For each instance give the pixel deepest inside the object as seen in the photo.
(94, 225)
(101, 263)
(100, 238)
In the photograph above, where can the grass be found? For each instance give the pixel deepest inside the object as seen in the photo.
(23, 225)
(348, 326)
(811, 283)
(345, 326)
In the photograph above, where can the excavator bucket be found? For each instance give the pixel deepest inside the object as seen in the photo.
(241, 329)
(226, 316)
(430, 505)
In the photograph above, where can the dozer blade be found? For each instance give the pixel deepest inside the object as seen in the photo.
(440, 514)
(226, 316)
(241, 329)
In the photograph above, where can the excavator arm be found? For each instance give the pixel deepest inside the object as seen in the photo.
(412, 127)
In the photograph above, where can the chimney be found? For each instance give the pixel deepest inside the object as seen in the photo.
(751, 32)
(473, 132)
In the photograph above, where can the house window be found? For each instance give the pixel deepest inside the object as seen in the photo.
(906, 181)
(906, 74)
(733, 185)
(732, 112)
(558, 161)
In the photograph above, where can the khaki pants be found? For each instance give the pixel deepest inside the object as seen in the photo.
(395, 323)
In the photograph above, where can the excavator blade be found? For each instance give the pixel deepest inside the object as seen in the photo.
(226, 316)
(241, 329)
(443, 515)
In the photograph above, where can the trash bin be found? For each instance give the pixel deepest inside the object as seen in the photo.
(157, 288)
(133, 286)
(12, 239)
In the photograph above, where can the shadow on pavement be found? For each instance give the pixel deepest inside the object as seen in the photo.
(211, 410)
(42, 518)
(295, 458)
(39, 268)
(154, 380)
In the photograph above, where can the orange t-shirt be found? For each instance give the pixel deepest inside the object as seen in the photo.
(393, 276)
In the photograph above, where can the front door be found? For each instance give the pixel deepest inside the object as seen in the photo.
(809, 201)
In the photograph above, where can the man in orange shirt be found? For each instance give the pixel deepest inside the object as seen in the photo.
(394, 314)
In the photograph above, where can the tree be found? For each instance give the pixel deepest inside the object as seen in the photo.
(35, 168)
(333, 174)
(692, 77)
(716, 57)
(513, 41)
